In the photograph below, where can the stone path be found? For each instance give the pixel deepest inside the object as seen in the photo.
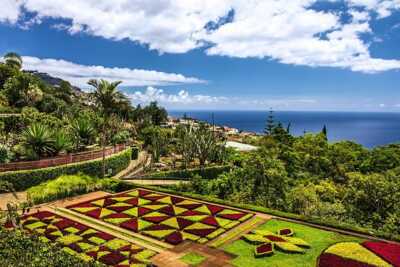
(213, 257)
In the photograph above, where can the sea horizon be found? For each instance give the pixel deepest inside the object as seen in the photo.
(369, 128)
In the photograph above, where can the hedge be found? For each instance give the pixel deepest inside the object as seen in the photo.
(206, 173)
(22, 180)
(313, 221)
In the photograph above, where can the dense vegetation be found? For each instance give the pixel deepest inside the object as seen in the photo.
(42, 120)
(308, 175)
(18, 249)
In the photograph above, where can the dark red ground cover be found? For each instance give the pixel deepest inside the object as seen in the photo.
(274, 238)
(214, 209)
(200, 232)
(210, 221)
(234, 217)
(264, 249)
(388, 251)
(112, 258)
(174, 238)
(331, 260)
(132, 225)
(285, 231)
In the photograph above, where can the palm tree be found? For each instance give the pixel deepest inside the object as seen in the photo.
(13, 60)
(107, 99)
(37, 138)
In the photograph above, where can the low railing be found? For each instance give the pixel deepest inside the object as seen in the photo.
(60, 160)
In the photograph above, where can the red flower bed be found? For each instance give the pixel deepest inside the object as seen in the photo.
(331, 260)
(152, 211)
(286, 231)
(175, 238)
(200, 232)
(132, 225)
(274, 238)
(234, 217)
(214, 209)
(387, 251)
(264, 250)
(112, 258)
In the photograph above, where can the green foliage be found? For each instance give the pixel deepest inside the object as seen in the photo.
(121, 137)
(37, 141)
(83, 132)
(206, 173)
(69, 185)
(61, 142)
(193, 259)
(28, 178)
(4, 154)
(18, 250)
(156, 139)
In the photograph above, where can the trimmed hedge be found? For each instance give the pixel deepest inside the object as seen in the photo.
(22, 180)
(312, 221)
(206, 173)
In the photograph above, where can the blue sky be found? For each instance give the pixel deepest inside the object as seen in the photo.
(227, 54)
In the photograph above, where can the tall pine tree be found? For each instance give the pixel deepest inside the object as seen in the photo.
(270, 125)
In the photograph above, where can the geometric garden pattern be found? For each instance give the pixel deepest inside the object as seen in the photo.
(168, 218)
(85, 242)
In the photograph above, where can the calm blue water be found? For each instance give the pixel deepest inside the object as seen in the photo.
(367, 128)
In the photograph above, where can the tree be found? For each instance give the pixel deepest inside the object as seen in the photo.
(158, 114)
(13, 60)
(205, 143)
(107, 99)
(185, 143)
(270, 123)
(325, 132)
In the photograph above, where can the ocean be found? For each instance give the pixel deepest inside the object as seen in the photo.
(370, 129)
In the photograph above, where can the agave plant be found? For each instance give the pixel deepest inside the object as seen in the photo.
(61, 142)
(83, 131)
(38, 139)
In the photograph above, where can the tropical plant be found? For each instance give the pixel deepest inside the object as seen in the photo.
(61, 142)
(107, 99)
(83, 132)
(37, 138)
(13, 60)
(4, 153)
(205, 143)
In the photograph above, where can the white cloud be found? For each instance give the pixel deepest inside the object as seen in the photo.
(288, 31)
(80, 74)
(383, 8)
(183, 99)
(10, 10)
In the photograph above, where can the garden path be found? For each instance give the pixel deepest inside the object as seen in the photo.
(9, 197)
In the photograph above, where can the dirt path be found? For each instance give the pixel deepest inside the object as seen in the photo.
(8, 197)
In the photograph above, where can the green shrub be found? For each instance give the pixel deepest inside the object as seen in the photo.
(206, 173)
(22, 180)
(18, 249)
(69, 185)
(135, 152)
(4, 154)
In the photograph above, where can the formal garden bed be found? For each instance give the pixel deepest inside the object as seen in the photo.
(168, 218)
(85, 242)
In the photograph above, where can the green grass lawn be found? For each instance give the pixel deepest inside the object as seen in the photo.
(318, 239)
(193, 259)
